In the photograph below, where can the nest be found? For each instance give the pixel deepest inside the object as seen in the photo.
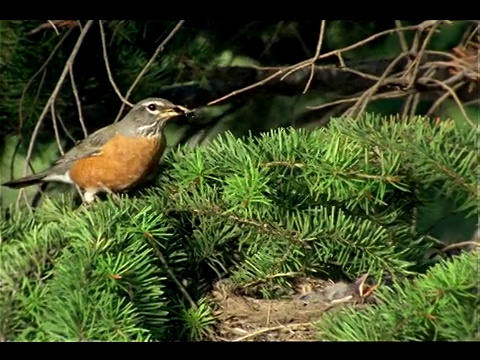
(244, 318)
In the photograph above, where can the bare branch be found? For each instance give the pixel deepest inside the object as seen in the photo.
(387, 95)
(304, 63)
(54, 24)
(416, 101)
(55, 128)
(107, 66)
(273, 37)
(77, 101)
(286, 71)
(250, 87)
(55, 91)
(441, 99)
(30, 81)
(412, 70)
(455, 97)
(162, 259)
(401, 36)
(360, 105)
(37, 95)
(149, 63)
(65, 129)
(406, 106)
(317, 54)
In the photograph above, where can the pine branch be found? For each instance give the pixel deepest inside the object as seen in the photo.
(441, 305)
(332, 203)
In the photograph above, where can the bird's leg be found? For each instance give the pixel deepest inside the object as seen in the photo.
(115, 197)
(80, 192)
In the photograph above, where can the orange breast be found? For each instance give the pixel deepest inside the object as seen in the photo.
(122, 163)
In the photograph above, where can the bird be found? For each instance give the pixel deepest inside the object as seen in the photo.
(115, 158)
(341, 292)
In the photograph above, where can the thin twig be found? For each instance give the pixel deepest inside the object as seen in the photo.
(474, 32)
(401, 36)
(441, 99)
(115, 31)
(360, 105)
(290, 274)
(12, 160)
(273, 328)
(55, 91)
(64, 128)
(416, 101)
(417, 96)
(455, 97)
(412, 70)
(460, 245)
(107, 66)
(305, 63)
(17, 147)
(317, 54)
(272, 38)
(340, 60)
(77, 101)
(160, 256)
(23, 195)
(59, 144)
(290, 69)
(459, 64)
(386, 95)
(53, 26)
(149, 64)
(249, 87)
(425, 81)
(442, 53)
(55, 128)
(471, 102)
(406, 106)
(54, 94)
(30, 81)
(360, 73)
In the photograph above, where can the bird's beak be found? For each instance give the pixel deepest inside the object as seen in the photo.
(363, 289)
(175, 111)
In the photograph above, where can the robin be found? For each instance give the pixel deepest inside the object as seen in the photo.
(114, 158)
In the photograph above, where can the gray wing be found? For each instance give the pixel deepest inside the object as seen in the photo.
(89, 146)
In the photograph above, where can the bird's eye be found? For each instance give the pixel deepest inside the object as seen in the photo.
(152, 107)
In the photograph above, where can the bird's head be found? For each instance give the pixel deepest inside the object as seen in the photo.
(148, 117)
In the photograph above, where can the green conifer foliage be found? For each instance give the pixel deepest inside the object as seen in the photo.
(332, 203)
(441, 305)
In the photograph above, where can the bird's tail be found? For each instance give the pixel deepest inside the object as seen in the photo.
(25, 181)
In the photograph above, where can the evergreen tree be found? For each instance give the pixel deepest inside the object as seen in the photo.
(332, 203)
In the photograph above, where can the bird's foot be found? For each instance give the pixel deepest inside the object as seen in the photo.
(114, 196)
